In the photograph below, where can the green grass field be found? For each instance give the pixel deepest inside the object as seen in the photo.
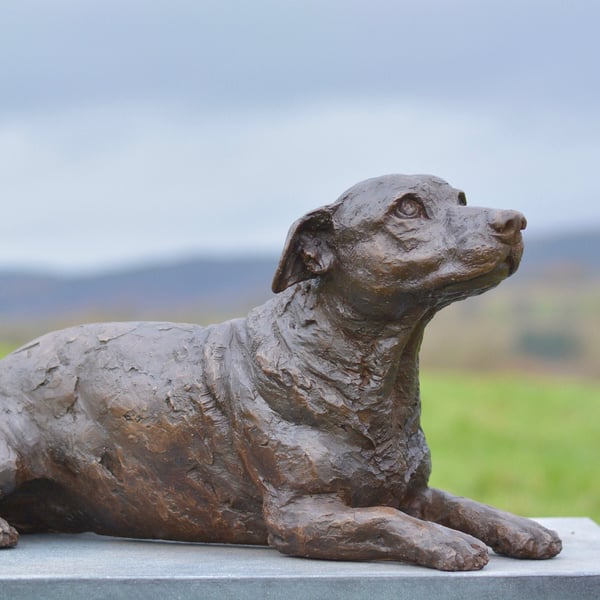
(524, 443)
(5, 348)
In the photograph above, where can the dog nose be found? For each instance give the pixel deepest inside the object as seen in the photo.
(508, 222)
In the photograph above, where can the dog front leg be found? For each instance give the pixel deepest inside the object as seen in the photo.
(506, 533)
(322, 526)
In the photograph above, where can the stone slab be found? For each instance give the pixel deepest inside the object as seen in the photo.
(92, 567)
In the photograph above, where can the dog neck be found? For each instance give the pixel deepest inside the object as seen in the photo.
(372, 349)
(367, 369)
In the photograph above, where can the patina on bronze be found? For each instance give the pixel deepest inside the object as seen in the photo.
(297, 426)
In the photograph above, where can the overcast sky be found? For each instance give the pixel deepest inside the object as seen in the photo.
(134, 130)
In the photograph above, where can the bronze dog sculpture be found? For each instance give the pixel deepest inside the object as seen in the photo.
(297, 426)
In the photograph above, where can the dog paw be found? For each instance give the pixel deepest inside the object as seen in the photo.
(8, 535)
(527, 539)
(458, 552)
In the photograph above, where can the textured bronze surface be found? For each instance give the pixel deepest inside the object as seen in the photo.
(298, 425)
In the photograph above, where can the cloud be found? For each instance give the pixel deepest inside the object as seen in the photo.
(131, 129)
(216, 54)
(118, 184)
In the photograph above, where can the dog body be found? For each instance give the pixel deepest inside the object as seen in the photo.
(298, 425)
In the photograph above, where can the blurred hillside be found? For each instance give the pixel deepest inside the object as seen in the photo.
(203, 290)
(546, 317)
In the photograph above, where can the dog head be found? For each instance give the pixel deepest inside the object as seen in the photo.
(396, 236)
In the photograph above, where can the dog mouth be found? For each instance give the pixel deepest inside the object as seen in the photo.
(515, 253)
(511, 262)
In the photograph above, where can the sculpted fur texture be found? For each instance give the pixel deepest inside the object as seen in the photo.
(298, 426)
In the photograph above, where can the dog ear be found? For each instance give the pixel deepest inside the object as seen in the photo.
(307, 252)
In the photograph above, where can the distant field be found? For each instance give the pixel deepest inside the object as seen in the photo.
(548, 325)
(527, 444)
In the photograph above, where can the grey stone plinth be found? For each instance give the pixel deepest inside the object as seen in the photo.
(92, 567)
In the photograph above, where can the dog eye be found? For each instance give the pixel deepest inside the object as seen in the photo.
(462, 199)
(409, 207)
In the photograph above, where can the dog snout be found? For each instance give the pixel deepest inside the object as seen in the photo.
(507, 223)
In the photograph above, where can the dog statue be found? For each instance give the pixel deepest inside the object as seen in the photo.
(297, 426)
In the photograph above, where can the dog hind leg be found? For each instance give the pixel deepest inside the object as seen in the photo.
(8, 535)
(8, 468)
